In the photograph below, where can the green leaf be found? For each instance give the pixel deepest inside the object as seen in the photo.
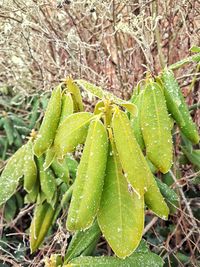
(171, 92)
(49, 157)
(91, 88)
(11, 174)
(135, 260)
(121, 213)
(81, 241)
(155, 125)
(30, 168)
(136, 121)
(41, 222)
(88, 184)
(54, 261)
(76, 95)
(102, 94)
(49, 124)
(169, 194)
(72, 132)
(132, 159)
(17, 139)
(151, 166)
(193, 157)
(143, 247)
(155, 201)
(19, 200)
(32, 196)
(185, 142)
(8, 127)
(61, 170)
(195, 49)
(17, 121)
(131, 108)
(99, 107)
(34, 113)
(10, 209)
(47, 181)
(72, 165)
(67, 107)
(168, 179)
(178, 107)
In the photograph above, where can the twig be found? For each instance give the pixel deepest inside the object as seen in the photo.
(186, 202)
(188, 75)
(194, 77)
(177, 65)
(117, 46)
(5, 259)
(157, 35)
(179, 245)
(149, 225)
(24, 211)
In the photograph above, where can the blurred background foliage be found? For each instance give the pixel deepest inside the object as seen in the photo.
(112, 44)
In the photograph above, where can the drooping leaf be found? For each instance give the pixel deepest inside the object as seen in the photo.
(181, 114)
(72, 166)
(30, 168)
(49, 157)
(135, 260)
(76, 96)
(169, 194)
(136, 120)
(99, 107)
(42, 220)
(171, 92)
(121, 213)
(90, 175)
(155, 127)
(155, 201)
(8, 127)
(10, 209)
(67, 107)
(133, 161)
(49, 124)
(10, 176)
(102, 94)
(47, 181)
(195, 49)
(72, 132)
(193, 157)
(61, 170)
(81, 241)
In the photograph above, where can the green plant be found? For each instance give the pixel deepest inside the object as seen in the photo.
(113, 179)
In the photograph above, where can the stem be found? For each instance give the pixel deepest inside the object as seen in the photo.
(194, 78)
(65, 199)
(157, 36)
(194, 58)
(107, 113)
(67, 196)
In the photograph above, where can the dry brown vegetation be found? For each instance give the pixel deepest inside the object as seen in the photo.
(111, 43)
